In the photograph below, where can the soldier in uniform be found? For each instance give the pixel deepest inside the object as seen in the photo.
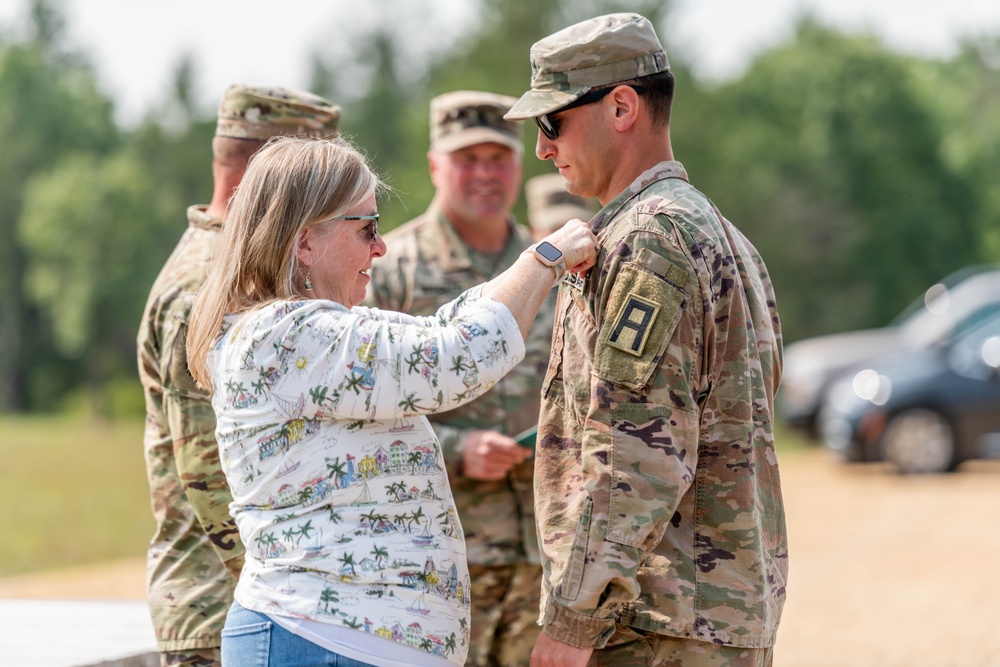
(550, 206)
(657, 491)
(195, 556)
(468, 236)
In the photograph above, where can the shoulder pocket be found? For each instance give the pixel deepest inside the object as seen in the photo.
(640, 318)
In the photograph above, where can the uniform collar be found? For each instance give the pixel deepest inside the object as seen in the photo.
(454, 251)
(198, 217)
(658, 172)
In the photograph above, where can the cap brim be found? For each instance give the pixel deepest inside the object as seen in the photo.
(538, 102)
(476, 135)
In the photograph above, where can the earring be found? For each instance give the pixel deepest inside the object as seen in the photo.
(309, 282)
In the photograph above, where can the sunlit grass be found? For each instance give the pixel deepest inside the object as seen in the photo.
(72, 491)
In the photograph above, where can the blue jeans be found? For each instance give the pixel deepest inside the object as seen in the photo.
(251, 639)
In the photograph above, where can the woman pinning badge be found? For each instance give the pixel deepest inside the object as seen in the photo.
(339, 487)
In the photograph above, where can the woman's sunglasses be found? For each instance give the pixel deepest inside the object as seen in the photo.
(372, 228)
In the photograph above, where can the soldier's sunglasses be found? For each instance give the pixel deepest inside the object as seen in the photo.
(372, 228)
(549, 126)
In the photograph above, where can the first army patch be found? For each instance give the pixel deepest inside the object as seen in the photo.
(643, 311)
(633, 324)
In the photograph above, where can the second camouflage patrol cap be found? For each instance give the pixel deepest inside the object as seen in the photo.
(590, 54)
(550, 206)
(468, 117)
(250, 111)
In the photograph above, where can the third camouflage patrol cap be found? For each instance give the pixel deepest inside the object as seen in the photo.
(467, 117)
(250, 111)
(550, 206)
(591, 54)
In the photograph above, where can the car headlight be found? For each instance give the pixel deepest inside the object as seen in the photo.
(852, 392)
(871, 386)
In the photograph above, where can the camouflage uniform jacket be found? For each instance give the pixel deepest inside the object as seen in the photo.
(195, 553)
(659, 503)
(426, 265)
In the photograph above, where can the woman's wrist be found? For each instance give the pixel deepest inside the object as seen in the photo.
(548, 257)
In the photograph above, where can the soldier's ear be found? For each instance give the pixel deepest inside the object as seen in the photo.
(432, 167)
(624, 104)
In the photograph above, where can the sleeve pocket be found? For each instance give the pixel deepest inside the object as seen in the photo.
(569, 586)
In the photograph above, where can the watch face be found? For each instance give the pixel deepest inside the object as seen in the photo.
(549, 251)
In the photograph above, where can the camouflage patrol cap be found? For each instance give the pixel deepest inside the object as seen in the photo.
(550, 206)
(590, 54)
(260, 112)
(468, 117)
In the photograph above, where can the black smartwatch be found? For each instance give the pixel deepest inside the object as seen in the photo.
(549, 255)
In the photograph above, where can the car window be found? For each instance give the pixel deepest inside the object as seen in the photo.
(947, 283)
(974, 320)
(974, 353)
(950, 310)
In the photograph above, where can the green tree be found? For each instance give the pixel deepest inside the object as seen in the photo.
(86, 227)
(825, 155)
(963, 95)
(50, 107)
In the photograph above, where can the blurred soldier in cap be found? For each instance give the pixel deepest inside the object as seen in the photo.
(195, 556)
(659, 506)
(468, 236)
(550, 206)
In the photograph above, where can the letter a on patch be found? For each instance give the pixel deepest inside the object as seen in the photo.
(633, 325)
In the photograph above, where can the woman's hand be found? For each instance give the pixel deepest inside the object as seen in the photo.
(577, 243)
(525, 285)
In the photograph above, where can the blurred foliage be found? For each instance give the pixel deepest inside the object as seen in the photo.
(963, 95)
(863, 175)
(83, 228)
(826, 155)
(50, 108)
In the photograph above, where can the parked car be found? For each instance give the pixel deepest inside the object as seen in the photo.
(926, 410)
(959, 301)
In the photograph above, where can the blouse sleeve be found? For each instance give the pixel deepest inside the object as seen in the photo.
(370, 364)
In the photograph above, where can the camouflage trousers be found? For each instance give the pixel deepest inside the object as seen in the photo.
(505, 601)
(634, 648)
(193, 657)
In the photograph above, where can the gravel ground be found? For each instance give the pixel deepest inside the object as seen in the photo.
(886, 571)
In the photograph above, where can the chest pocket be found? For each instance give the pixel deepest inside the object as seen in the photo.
(641, 316)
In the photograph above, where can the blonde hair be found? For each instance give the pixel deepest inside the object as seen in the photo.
(290, 184)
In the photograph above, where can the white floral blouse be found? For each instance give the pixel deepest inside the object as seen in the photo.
(339, 486)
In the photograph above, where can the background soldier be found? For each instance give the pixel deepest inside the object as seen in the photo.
(550, 206)
(467, 236)
(195, 556)
(659, 506)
